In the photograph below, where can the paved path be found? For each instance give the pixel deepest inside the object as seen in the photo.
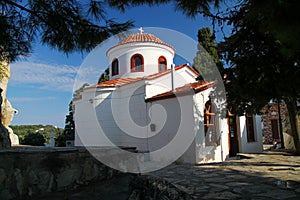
(271, 175)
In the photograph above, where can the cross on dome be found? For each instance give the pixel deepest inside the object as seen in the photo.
(141, 30)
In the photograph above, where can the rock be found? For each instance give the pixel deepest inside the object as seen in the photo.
(90, 171)
(14, 139)
(5, 194)
(19, 181)
(4, 138)
(7, 111)
(2, 178)
(67, 178)
(46, 179)
(135, 195)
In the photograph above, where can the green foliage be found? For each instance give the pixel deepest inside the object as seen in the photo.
(207, 56)
(67, 25)
(262, 65)
(281, 19)
(69, 131)
(258, 70)
(189, 7)
(45, 130)
(34, 139)
(104, 76)
(77, 93)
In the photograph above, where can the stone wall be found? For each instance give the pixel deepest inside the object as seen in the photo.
(26, 172)
(270, 112)
(148, 187)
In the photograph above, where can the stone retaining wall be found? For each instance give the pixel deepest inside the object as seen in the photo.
(149, 187)
(31, 171)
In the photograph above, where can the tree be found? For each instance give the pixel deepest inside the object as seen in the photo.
(104, 76)
(67, 25)
(188, 7)
(69, 130)
(207, 55)
(259, 68)
(34, 139)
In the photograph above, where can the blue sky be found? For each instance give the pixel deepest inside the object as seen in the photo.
(41, 85)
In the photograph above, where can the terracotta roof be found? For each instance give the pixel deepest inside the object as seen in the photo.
(124, 81)
(188, 89)
(141, 37)
(117, 82)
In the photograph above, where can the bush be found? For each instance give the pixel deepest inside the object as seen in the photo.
(34, 139)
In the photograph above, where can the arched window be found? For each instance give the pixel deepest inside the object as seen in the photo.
(115, 67)
(137, 63)
(162, 64)
(211, 129)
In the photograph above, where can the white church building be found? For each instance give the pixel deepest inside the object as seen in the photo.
(151, 104)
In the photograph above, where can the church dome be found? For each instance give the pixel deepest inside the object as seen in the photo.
(143, 37)
(139, 55)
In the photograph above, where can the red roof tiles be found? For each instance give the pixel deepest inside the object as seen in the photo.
(141, 37)
(188, 89)
(124, 81)
(117, 82)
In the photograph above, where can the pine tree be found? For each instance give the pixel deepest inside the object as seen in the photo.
(207, 56)
(260, 70)
(67, 25)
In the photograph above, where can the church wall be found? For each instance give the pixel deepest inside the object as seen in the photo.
(163, 84)
(86, 122)
(130, 116)
(174, 129)
(208, 153)
(150, 52)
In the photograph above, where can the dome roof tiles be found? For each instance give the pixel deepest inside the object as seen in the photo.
(142, 38)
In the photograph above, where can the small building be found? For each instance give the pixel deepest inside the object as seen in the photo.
(274, 115)
(151, 104)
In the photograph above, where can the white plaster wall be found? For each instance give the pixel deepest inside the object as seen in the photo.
(202, 152)
(174, 122)
(163, 84)
(87, 130)
(250, 147)
(150, 51)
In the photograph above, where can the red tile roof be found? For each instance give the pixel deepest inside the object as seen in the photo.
(124, 81)
(141, 37)
(188, 89)
(116, 82)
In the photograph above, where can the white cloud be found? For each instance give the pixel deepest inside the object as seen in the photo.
(24, 99)
(50, 77)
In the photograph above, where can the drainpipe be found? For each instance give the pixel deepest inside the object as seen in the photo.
(172, 77)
